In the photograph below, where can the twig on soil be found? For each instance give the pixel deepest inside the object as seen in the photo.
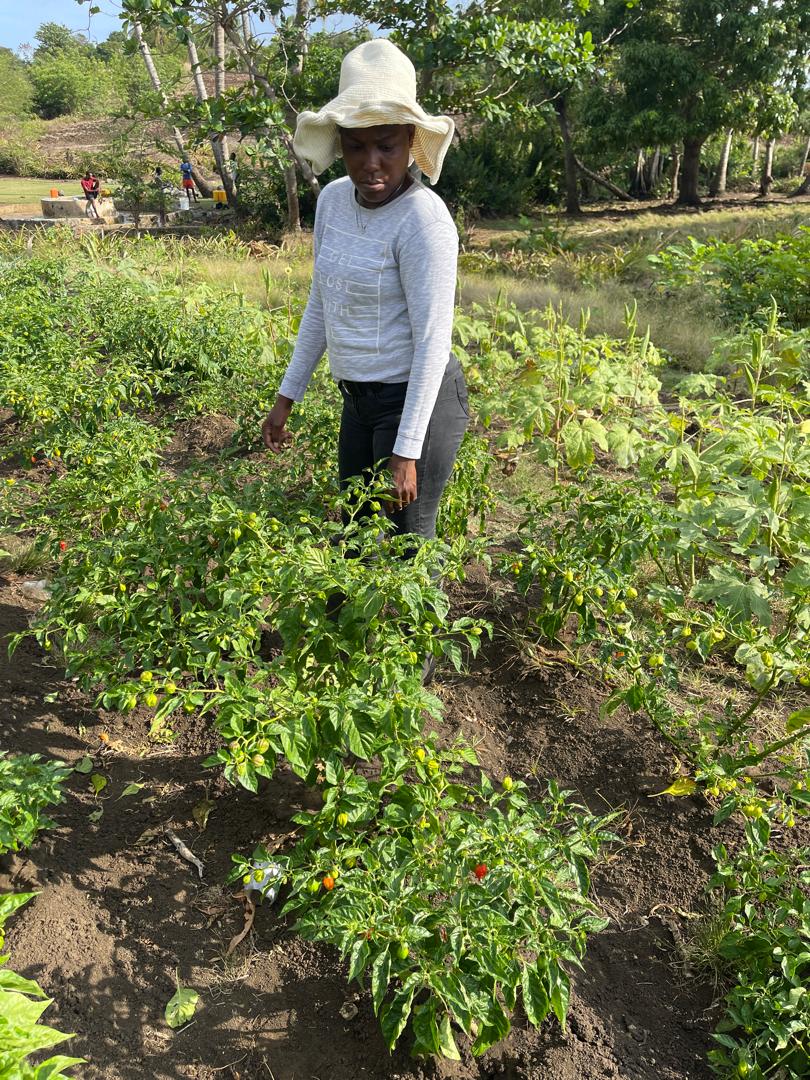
(230, 1065)
(184, 852)
(250, 915)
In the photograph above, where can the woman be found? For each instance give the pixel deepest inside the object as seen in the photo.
(383, 287)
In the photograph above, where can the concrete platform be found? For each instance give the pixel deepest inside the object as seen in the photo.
(74, 206)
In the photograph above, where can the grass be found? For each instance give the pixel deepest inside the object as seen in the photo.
(688, 341)
(268, 282)
(16, 190)
(652, 225)
(685, 333)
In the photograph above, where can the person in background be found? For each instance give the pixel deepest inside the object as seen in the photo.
(233, 167)
(91, 186)
(188, 179)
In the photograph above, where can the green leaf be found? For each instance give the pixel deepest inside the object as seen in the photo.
(624, 443)
(98, 783)
(797, 720)
(797, 580)
(84, 766)
(535, 998)
(412, 595)
(53, 1068)
(635, 696)
(11, 981)
(10, 902)
(394, 1015)
(578, 443)
(425, 1029)
(447, 1044)
(358, 958)
(181, 1008)
(559, 992)
(380, 973)
(742, 599)
(131, 789)
(494, 1027)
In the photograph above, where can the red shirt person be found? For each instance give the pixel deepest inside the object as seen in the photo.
(90, 186)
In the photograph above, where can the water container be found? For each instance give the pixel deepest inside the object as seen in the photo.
(183, 202)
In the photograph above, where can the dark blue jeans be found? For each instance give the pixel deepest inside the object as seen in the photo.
(368, 431)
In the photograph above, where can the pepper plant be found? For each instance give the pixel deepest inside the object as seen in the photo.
(27, 785)
(455, 899)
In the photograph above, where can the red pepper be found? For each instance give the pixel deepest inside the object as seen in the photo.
(481, 871)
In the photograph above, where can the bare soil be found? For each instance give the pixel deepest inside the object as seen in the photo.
(119, 911)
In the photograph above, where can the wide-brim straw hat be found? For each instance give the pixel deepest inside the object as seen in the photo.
(377, 86)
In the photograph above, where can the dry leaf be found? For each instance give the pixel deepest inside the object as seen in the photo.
(250, 915)
(201, 813)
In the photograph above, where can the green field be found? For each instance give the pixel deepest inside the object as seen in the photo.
(16, 190)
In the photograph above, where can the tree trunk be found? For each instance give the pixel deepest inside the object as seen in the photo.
(215, 140)
(154, 78)
(806, 155)
(247, 39)
(219, 90)
(301, 42)
(571, 178)
(755, 151)
(637, 186)
(689, 194)
(602, 182)
(719, 180)
(293, 206)
(654, 170)
(674, 171)
(766, 178)
(219, 56)
(804, 187)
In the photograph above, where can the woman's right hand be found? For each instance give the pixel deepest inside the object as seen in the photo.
(273, 431)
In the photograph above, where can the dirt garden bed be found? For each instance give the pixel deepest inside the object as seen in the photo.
(118, 911)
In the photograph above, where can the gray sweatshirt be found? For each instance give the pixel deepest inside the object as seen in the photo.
(381, 301)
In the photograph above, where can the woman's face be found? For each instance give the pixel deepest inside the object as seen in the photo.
(376, 159)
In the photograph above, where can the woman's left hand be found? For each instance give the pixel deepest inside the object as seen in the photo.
(403, 477)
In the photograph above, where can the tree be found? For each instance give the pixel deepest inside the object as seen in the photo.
(55, 38)
(480, 61)
(17, 98)
(68, 82)
(689, 68)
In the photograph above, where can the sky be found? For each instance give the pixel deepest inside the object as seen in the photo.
(20, 19)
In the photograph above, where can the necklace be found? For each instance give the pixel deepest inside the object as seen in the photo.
(363, 220)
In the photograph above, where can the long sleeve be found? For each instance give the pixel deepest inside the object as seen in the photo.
(310, 345)
(427, 269)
